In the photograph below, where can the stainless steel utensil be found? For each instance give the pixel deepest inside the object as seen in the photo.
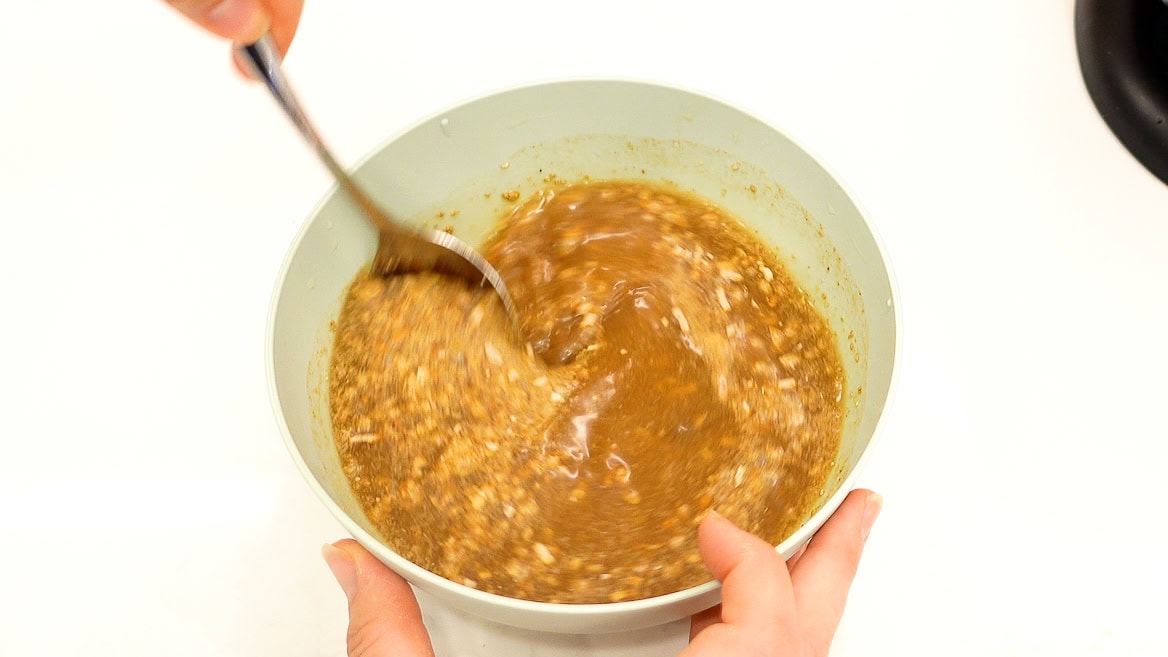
(400, 249)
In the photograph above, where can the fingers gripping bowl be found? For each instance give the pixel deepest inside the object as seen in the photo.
(462, 169)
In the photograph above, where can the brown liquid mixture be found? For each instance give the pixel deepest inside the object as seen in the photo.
(674, 368)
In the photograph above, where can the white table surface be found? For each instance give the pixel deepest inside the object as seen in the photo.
(147, 197)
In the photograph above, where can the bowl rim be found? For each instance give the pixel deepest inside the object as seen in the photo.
(411, 570)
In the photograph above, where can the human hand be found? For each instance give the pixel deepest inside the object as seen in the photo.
(770, 608)
(775, 609)
(244, 21)
(384, 618)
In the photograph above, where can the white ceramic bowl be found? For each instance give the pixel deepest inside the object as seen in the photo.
(603, 129)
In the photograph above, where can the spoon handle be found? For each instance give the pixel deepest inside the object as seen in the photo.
(263, 59)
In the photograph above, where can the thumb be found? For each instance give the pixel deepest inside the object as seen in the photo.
(242, 21)
(756, 588)
(384, 619)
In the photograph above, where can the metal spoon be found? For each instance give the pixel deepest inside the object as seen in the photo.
(399, 249)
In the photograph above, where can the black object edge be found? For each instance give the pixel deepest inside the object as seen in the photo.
(1123, 56)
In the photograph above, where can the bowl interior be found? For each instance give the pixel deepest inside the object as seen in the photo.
(454, 169)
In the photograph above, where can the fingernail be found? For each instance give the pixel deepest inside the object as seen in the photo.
(343, 567)
(241, 20)
(871, 510)
(716, 517)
